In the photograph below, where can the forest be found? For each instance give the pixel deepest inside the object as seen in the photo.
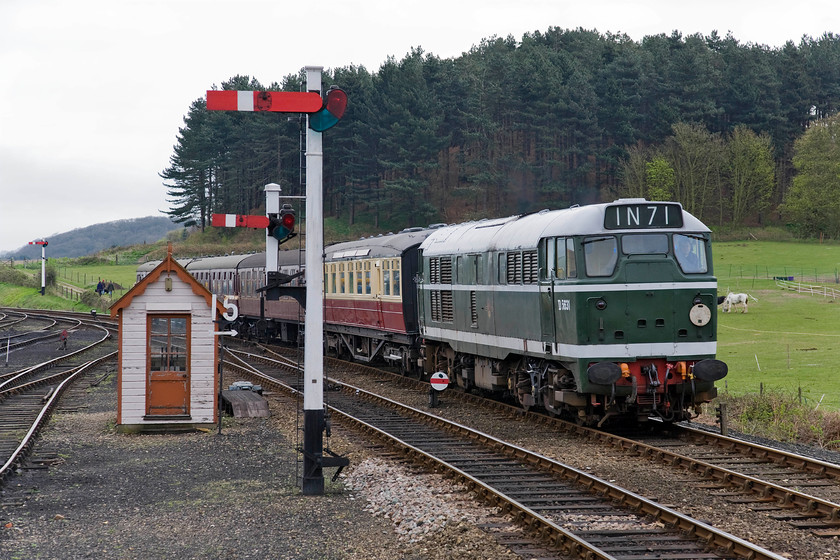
(740, 134)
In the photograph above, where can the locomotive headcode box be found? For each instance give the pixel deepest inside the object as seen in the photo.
(643, 216)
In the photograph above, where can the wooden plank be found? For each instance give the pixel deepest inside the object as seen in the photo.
(245, 404)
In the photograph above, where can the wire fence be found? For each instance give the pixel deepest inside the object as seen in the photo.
(735, 272)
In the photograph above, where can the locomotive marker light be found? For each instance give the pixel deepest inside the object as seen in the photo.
(700, 315)
(438, 382)
(43, 243)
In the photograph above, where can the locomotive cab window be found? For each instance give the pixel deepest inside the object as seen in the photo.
(571, 263)
(645, 244)
(600, 255)
(559, 255)
(690, 252)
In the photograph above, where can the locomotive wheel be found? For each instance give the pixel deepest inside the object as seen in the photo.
(526, 401)
(552, 412)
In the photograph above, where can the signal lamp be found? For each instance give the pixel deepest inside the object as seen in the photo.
(282, 226)
(334, 106)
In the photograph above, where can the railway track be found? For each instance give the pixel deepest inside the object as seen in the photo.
(30, 389)
(578, 514)
(801, 490)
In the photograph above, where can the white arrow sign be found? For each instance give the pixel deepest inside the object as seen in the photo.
(225, 333)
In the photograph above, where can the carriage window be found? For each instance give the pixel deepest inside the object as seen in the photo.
(645, 244)
(396, 278)
(600, 255)
(690, 252)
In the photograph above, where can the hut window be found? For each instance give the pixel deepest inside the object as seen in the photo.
(168, 343)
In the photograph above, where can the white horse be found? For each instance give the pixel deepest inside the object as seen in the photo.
(735, 299)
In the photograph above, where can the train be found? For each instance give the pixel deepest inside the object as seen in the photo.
(593, 313)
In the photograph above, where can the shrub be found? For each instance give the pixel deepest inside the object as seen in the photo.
(17, 277)
(778, 415)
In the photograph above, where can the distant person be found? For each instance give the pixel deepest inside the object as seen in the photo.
(100, 287)
(62, 340)
(110, 288)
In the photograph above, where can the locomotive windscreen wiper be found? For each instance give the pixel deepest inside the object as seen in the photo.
(595, 239)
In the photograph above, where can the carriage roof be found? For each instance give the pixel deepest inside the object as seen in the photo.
(391, 245)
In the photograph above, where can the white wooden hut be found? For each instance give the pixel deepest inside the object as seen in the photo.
(168, 375)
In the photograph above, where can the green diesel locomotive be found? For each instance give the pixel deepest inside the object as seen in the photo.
(594, 312)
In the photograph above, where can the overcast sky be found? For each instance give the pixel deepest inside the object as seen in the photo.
(92, 92)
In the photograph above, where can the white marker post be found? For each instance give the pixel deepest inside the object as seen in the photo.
(322, 114)
(272, 208)
(231, 313)
(438, 382)
(313, 390)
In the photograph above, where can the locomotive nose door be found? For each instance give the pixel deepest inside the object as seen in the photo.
(547, 309)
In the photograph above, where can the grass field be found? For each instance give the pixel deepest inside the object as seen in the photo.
(123, 276)
(786, 341)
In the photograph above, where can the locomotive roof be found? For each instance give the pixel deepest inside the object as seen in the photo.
(391, 245)
(525, 231)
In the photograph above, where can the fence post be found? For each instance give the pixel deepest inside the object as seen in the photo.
(722, 419)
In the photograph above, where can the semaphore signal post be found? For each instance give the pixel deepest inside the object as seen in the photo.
(43, 243)
(322, 113)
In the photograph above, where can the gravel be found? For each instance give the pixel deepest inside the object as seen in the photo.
(676, 488)
(236, 495)
(233, 495)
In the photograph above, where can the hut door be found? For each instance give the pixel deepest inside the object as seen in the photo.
(168, 385)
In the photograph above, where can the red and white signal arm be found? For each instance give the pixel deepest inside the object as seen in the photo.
(238, 220)
(439, 381)
(275, 101)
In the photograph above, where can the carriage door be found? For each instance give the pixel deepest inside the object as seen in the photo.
(546, 284)
(168, 382)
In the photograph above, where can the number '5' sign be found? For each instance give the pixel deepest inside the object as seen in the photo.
(232, 310)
